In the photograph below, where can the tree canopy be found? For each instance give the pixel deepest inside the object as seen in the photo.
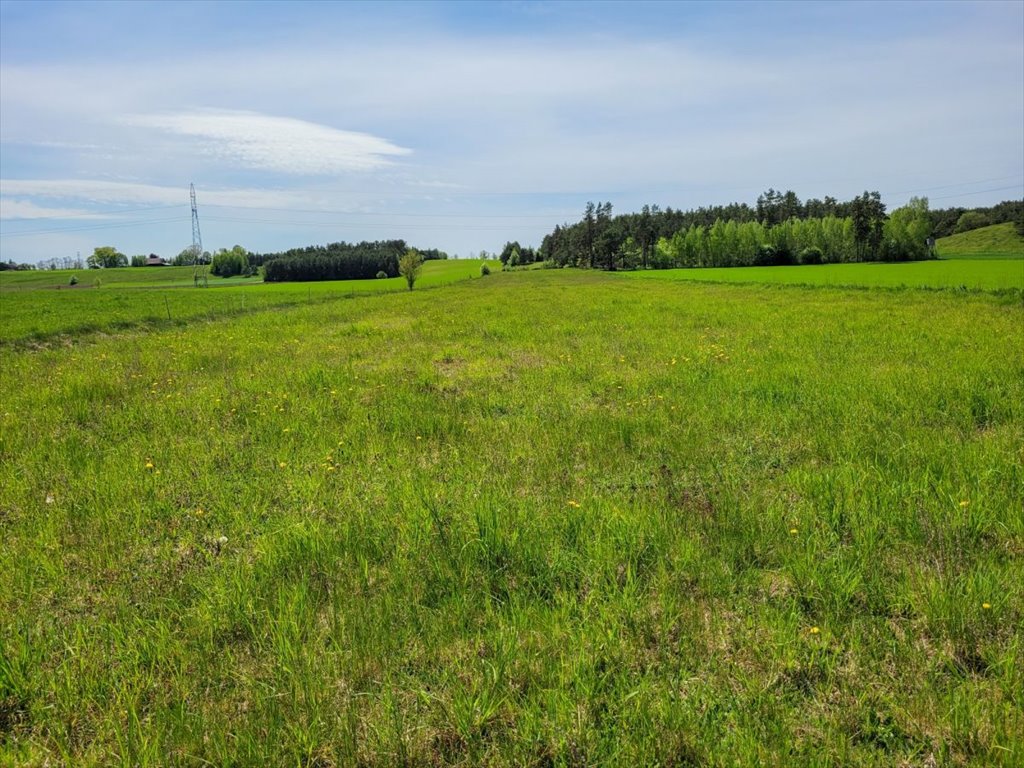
(106, 257)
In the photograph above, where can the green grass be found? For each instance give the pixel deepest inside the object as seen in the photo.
(542, 518)
(37, 306)
(1000, 241)
(121, 277)
(993, 275)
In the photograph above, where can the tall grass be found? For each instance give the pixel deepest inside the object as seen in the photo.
(544, 518)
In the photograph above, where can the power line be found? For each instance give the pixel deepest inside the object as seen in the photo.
(960, 184)
(281, 222)
(979, 191)
(102, 213)
(393, 213)
(89, 228)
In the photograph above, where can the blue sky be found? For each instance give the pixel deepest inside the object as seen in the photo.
(463, 125)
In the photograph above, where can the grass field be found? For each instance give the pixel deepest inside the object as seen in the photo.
(989, 275)
(541, 518)
(1000, 241)
(36, 306)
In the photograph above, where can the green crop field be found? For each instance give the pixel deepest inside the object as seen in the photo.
(543, 518)
(999, 241)
(38, 305)
(995, 274)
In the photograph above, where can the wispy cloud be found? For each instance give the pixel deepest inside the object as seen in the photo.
(118, 193)
(13, 209)
(272, 143)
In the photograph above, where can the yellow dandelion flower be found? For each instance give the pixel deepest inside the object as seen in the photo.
(573, 503)
(986, 606)
(964, 503)
(418, 437)
(814, 630)
(330, 469)
(792, 531)
(282, 464)
(149, 464)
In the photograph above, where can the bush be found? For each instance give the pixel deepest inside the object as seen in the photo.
(73, 280)
(409, 266)
(227, 263)
(971, 220)
(484, 269)
(765, 256)
(811, 255)
(382, 275)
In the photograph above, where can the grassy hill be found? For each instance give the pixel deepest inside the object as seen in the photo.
(1000, 241)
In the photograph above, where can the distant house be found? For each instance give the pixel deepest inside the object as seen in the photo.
(155, 261)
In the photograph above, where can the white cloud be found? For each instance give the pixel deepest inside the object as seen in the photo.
(102, 192)
(11, 209)
(272, 143)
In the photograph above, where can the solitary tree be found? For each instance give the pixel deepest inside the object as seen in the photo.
(409, 266)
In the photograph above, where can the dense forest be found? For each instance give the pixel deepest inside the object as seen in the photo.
(337, 261)
(779, 229)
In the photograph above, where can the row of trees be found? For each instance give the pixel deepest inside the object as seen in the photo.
(951, 221)
(339, 261)
(902, 237)
(515, 255)
(856, 230)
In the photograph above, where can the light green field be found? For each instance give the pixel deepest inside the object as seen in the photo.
(1000, 241)
(543, 518)
(36, 306)
(121, 277)
(988, 275)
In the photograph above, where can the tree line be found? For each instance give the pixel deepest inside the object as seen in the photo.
(780, 229)
(339, 261)
(953, 221)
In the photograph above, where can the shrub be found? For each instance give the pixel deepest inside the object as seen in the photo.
(73, 280)
(484, 269)
(382, 275)
(227, 263)
(409, 266)
(811, 255)
(765, 256)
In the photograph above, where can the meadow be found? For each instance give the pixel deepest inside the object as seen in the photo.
(992, 274)
(40, 305)
(547, 517)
